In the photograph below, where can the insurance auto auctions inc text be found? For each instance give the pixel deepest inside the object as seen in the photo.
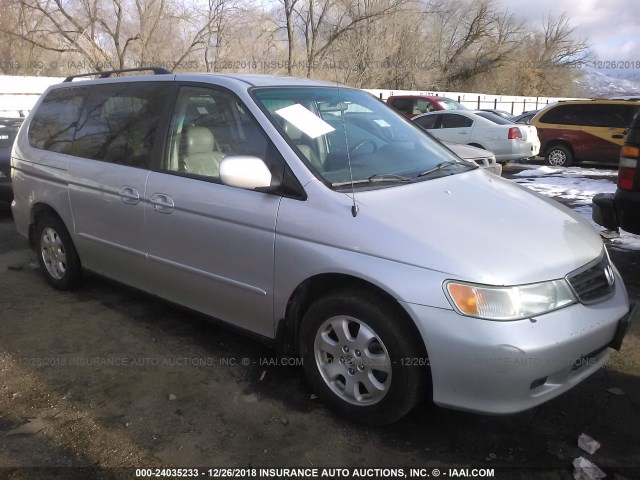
(375, 472)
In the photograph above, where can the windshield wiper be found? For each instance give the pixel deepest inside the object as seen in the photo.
(377, 178)
(440, 166)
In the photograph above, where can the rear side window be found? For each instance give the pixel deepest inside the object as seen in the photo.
(120, 122)
(404, 105)
(451, 120)
(55, 121)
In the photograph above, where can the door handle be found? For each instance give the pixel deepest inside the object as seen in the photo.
(617, 136)
(162, 203)
(462, 133)
(129, 195)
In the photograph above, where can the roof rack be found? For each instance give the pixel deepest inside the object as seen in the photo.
(108, 73)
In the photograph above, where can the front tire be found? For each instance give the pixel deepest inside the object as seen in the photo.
(558, 156)
(57, 255)
(362, 358)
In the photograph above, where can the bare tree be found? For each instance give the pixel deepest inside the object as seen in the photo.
(560, 48)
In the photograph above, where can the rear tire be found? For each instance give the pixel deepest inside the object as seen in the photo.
(57, 255)
(362, 358)
(558, 156)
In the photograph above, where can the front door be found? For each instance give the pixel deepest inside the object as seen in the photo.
(210, 245)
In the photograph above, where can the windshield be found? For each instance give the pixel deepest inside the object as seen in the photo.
(448, 104)
(344, 132)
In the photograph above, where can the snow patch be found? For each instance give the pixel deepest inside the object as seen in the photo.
(573, 186)
(538, 172)
(578, 189)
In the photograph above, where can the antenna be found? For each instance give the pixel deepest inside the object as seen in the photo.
(354, 206)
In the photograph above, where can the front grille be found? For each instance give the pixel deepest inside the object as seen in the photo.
(594, 282)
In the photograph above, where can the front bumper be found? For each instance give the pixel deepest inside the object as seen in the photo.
(507, 367)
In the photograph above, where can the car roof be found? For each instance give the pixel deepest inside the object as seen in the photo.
(466, 113)
(596, 101)
(261, 80)
(428, 97)
(246, 80)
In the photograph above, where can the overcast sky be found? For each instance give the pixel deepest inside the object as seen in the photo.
(611, 26)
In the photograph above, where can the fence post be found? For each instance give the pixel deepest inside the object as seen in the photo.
(495, 103)
(536, 103)
(478, 102)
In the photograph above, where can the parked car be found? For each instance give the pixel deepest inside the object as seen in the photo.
(501, 113)
(8, 130)
(412, 105)
(484, 130)
(584, 130)
(314, 216)
(622, 209)
(525, 117)
(483, 158)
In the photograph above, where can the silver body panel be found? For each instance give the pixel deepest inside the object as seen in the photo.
(240, 255)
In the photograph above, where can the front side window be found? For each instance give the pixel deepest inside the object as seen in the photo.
(448, 104)
(607, 115)
(209, 124)
(54, 123)
(425, 106)
(120, 121)
(339, 132)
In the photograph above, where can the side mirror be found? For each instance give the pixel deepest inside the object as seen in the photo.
(244, 171)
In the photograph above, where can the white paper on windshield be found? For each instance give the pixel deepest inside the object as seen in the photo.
(382, 123)
(305, 120)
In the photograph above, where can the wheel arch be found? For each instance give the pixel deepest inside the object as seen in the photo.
(562, 143)
(318, 286)
(38, 211)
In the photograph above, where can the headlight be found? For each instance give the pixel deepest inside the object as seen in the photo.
(508, 303)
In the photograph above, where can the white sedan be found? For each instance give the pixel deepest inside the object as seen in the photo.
(507, 140)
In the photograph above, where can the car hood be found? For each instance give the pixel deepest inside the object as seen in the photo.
(477, 227)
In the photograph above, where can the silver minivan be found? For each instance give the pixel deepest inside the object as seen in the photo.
(316, 216)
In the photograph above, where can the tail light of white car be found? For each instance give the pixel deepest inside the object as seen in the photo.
(514, 133)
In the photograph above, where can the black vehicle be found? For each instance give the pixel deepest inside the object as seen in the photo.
(622, 208)
(8, 131)
(525, 117)
(501, 113)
